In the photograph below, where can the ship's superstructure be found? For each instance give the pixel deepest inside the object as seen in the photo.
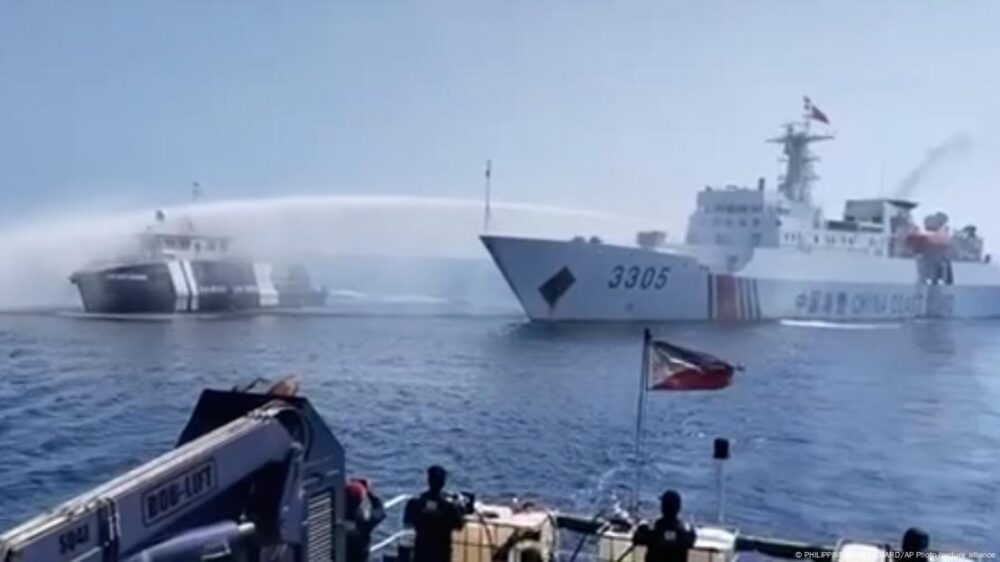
(752, 253)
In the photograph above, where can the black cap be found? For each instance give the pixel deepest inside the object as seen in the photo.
(436, 476)
(670, 503)
(915, 540)
(720, 449)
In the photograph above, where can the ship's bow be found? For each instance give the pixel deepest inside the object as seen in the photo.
(576, 280)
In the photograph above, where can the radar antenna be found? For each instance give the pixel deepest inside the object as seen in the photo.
(796, 182)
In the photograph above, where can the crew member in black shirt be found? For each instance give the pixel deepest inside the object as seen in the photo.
(433, 516)
(670, 537)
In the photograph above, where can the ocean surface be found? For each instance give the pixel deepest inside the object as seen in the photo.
(857, 430)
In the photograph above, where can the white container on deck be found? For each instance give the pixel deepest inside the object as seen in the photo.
(493, 527)
(860, 552)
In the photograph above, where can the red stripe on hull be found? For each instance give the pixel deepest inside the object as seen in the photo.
(727, 303)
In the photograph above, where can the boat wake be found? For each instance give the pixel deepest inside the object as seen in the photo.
(822, 324)
(143, 317)
(611, 490)
(351, 296)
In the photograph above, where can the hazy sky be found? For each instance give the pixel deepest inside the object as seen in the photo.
(617, 106)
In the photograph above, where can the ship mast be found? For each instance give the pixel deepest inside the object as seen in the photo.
(796, 183)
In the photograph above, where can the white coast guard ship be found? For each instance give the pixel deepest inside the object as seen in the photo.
(756, 253)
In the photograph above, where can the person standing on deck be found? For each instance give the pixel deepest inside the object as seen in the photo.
(433, 515)
(364, 512)
(671, 537)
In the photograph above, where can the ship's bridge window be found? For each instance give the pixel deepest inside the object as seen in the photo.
(169, 243)
(211, 245)
(184, 244)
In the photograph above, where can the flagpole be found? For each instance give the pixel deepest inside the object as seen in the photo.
(486, 210)
(639, 415)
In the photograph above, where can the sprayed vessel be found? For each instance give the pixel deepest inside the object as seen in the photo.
(182, 270)
(753, 253)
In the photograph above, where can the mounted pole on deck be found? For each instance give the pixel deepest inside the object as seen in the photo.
(486, 210)
(196, 193)
(720, 452)
(639, 415)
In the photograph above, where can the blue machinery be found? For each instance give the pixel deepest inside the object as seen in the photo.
(252, 478)
(260, 478)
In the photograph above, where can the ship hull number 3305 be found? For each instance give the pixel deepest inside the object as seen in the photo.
(637, 277)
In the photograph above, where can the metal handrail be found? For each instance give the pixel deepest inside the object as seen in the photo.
(396, 500)
(391, 540)
(398, 535)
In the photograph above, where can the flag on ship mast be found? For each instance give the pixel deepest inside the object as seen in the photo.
(670, 367)
(813, 112)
